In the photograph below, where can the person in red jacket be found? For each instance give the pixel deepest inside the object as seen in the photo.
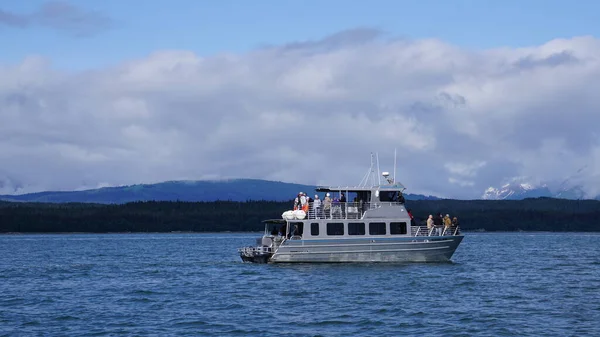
(412, 218)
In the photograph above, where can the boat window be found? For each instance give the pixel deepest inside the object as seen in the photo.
(363, 196)
(356, 228)
(377, 228)
(335, 228)
(389, 196)
(314, 229)
(300, 227)
(398, 228)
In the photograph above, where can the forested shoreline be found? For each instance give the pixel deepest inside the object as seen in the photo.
(540, 214)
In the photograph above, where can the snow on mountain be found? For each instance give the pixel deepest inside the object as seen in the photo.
(572, 187)
(516, 191)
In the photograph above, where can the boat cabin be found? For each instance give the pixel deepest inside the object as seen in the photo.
(376, 211)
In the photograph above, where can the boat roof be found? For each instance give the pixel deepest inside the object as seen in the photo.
(390, 187)
(275, 221)
(371, 182)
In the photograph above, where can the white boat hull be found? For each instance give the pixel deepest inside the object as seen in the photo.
(406, 249)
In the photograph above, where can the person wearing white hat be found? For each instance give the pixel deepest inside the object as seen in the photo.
(317, 206)
(327, 206)
(304, 203)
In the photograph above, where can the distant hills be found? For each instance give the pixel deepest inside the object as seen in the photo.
(256, 189)
(234, 190)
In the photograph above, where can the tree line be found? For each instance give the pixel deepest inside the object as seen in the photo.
(539, 214)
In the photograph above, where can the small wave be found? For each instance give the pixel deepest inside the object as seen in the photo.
(66, 318)
(369, 322)
(230, 306)
(331, 322)
(196, 323)
(139, 300)
(32, 323)
(345, 316)
(146, 292)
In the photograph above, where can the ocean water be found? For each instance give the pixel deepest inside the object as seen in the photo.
(499, 284)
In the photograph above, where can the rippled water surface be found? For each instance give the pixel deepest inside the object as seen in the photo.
(499, 284)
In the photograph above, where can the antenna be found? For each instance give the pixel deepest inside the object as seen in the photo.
(372, 173)
(378, 176)
(386, 175)
(394, 164)
(365, 179)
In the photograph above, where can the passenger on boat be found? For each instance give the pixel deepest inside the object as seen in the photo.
(327, 206)
(336, 211)
(455, 224)
(282, 230)
(412, 218)
(401, 198)
(317, 207)
(438, 223)
(343, 204)
(447, 221)
(430, 224)
(304, 202)
(297, 201)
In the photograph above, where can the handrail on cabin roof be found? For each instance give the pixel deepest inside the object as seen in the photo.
(276, 221)
(396, 186)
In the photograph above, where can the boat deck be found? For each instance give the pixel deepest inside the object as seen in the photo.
(344, 210)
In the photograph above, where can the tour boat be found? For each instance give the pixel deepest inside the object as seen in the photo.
(374, 227)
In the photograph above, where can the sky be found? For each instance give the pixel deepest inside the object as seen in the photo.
(470, 94)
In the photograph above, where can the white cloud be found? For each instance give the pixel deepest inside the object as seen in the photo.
(462, 169)
(460, 182)
(309, 112)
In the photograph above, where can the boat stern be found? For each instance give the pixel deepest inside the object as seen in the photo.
(258, 254)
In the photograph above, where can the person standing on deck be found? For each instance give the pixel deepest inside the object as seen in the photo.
(430, 224)
(309, 205)
(317, 207)
(327, 206)
(304, 203)
(438, 223)
(455, 224)
(297, 201)
(343, 204)
(447, 222)
(412, 218)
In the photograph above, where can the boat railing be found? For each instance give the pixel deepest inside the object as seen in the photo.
(424, 231)
(344, 210)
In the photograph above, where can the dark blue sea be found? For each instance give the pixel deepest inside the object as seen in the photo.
(499, 284)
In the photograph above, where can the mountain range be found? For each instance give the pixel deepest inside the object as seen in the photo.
(257, 189)
(518, 190)
(203, 190)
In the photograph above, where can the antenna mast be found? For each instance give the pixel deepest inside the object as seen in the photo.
(378, 176)
(365, 180)
(394, 165)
